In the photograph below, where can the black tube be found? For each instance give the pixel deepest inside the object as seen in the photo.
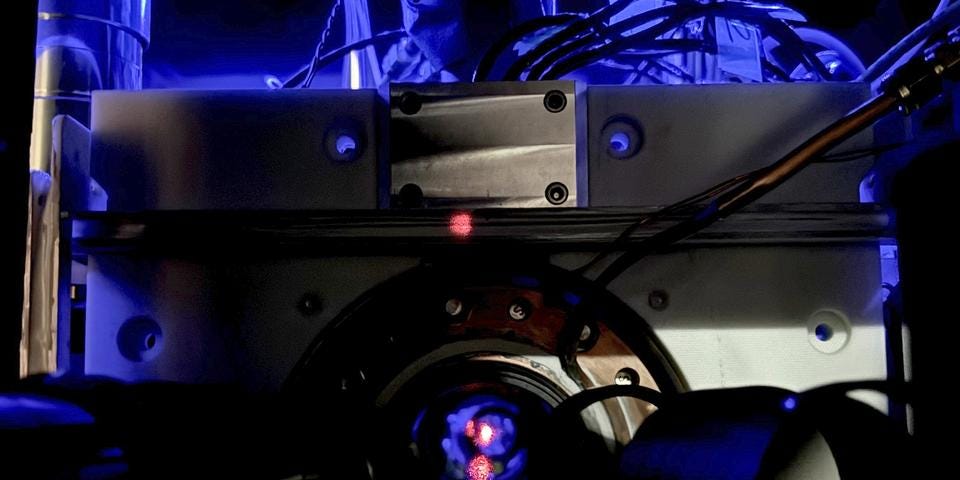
(489, 60)
(593, 20)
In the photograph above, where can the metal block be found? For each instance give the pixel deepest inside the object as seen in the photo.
(655, 145)
(204, 150)
(488, 145)
(748, 315)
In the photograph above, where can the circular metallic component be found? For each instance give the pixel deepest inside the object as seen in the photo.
(520, 309)
(453, 307)
(410, 103)
(658, 300)
(828, 331)
(343, 145)
(557, 193)
(555, 101)
(627, 376)
(435, 368)
(410, 196)
(621, 137)
(139, 339)
(585, 333)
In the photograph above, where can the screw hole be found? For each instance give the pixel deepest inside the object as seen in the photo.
(555, 101)
(557, 193)
(410, 103)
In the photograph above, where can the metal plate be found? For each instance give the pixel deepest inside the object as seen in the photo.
(488, 145)
(202, 150)
(692, 137)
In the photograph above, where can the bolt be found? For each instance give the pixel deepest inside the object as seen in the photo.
(310, 304)
(557, 193)
(627, 376)
(410, 103)
(520, 309)
(453, 307)
(658, 300)
(555, 101)
(585, 333)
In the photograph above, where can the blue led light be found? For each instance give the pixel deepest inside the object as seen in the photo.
(790, 403)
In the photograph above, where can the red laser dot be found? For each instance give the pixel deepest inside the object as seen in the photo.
(480, 468)
(486, 435)
(461, 224)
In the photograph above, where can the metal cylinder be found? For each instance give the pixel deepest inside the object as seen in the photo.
(83, 45)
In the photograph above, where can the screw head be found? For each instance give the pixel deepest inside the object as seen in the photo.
(627, 376)
(410, 103)
(658, 300)
(520, 309)
(585, 333)
(557, 193)
(453, 307)
(555, 101)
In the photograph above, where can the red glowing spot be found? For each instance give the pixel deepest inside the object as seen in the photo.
(470, 430)
(486, 435)
(461, 224)
(480, 468)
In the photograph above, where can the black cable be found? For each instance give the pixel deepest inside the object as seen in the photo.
(656, 47)
(776, 28)
(675, 208)
(579, 401)
(299, 77)
(747, 192)
(489, 60)
(572, 31)
(319, 63)
(636, 21)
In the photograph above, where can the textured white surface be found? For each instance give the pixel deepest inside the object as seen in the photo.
(738, 316)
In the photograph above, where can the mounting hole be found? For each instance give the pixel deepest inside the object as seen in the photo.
(410, 103)
(410, 196)
(621, 137)
(344, 145)
(627, 376)
(139, 339)
(520, 309)
(557, 193)
(555, 101)
(828, 331)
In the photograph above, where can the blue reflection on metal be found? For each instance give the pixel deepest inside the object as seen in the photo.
(19, 411)
(482, 425)
(620, 142)
(790, 403)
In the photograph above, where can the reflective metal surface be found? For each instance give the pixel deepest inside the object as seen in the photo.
(489, 145)
(241, 149)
